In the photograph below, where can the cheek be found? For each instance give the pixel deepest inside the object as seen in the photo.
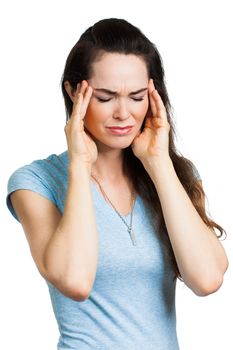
(97, 109)
(94, 115)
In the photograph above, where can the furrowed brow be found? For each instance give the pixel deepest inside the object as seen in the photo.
(113, 93)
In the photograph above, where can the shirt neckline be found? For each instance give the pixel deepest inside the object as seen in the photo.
(107, 204)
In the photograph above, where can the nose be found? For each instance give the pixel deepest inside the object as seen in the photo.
(121, 111)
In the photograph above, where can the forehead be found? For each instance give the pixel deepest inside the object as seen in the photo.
(114, 69)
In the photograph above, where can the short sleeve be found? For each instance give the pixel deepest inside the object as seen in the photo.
(30, 177)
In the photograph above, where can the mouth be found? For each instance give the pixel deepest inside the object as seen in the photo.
(117, 130)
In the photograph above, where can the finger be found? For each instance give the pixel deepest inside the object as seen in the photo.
(77, 105)
(157, 105)
(86, 100)
(161, 110)
(153, 109)
(86, 92)
(83, 86)
(79, 90)
(76, 92)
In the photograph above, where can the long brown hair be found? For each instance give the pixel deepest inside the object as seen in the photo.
(119, 36)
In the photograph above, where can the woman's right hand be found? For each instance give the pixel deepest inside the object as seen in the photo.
(80, 144)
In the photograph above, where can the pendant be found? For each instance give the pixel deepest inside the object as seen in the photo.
(132, 236)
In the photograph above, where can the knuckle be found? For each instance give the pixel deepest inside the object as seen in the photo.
(67, 127)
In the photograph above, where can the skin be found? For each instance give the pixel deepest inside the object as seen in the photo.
(203, 263)
(65, 247)
(129, 75)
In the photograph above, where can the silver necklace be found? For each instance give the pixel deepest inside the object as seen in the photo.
(129, 227)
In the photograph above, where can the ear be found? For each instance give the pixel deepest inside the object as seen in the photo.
(70, 91)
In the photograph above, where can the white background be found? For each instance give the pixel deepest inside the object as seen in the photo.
(195, 41)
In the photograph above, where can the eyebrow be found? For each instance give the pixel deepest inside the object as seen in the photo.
(110, 92)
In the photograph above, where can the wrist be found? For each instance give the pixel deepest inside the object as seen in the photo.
(161, 172)
(157, 165)
(78, 165)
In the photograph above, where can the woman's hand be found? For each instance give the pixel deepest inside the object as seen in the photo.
(153, 141)
(80, 144)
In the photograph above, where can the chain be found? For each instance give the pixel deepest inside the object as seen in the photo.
(129, 227)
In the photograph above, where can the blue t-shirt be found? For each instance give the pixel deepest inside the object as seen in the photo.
(132, 303)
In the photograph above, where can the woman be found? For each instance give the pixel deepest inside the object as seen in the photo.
(113, 221)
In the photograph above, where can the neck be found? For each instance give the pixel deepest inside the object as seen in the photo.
(109, 166)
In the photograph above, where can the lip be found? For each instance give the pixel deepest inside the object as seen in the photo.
(120, 127)
(117, 130)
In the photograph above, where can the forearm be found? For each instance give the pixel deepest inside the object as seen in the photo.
(199, 254)
(71, 255)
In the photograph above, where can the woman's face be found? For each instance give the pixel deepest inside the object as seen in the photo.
(119, 99)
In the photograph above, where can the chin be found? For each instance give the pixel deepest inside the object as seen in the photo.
(115, 145)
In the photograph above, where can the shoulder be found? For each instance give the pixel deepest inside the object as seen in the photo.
(44, 176)
(41, 168)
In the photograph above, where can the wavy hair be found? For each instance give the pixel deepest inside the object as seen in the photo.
(114, 35)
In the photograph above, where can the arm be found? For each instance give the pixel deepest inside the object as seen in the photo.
(64, 248)
(199, 254)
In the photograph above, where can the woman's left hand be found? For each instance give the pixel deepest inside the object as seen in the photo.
(153, 141)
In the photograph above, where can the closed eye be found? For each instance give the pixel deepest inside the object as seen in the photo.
(102, 99)
(106, 100)
(138, 99)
